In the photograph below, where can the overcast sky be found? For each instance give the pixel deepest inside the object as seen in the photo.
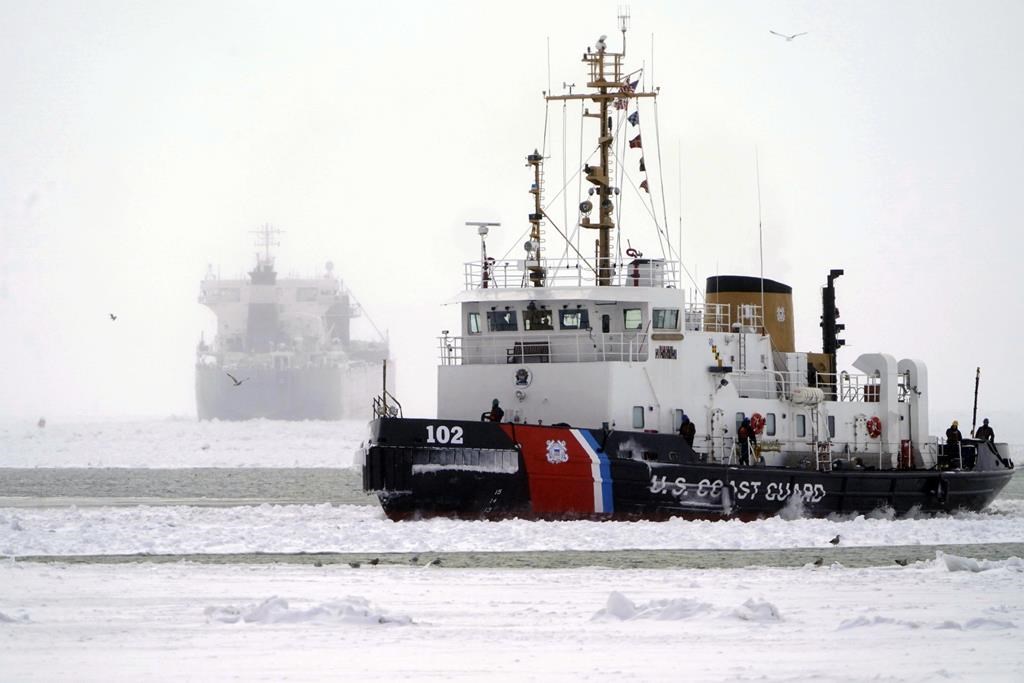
(141, 141)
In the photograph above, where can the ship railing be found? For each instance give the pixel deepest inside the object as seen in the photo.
(767, 383)
(953, 456)
(386, 405)
(869, 455)
(563, 347)
(859, 388)
(720, 449)
(844, 386)
(522, 273)
(709, 317)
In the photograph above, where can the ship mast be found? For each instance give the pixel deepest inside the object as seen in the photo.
(607, 83)
(266, 237)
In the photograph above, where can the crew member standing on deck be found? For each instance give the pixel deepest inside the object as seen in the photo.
(985, 432)
(687, 430)
(953, 439)
(747, 439)
(495, 414)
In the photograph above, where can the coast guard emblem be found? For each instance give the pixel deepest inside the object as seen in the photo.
(557, 453)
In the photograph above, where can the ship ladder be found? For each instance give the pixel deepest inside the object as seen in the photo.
(824, 456)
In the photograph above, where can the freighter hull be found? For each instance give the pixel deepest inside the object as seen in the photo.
(310, 393)
(422, 468)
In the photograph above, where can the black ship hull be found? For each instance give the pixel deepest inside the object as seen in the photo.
(482, 470)
(312, 393)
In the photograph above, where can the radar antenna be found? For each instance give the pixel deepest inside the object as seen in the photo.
(482, 228)
(267, 237)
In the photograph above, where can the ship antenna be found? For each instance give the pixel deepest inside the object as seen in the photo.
(974, 417)
(482, 228)
(760, 231)
(266, 237)
(623, 24)
(607, 83)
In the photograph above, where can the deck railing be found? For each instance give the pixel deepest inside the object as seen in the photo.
(521, 273)
(845, 386)
(564, 347)
(706, 317)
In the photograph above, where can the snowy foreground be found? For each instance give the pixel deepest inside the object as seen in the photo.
(946, 619)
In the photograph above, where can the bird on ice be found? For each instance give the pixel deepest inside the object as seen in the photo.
(835, 541)
(789, 39)
(237, 381)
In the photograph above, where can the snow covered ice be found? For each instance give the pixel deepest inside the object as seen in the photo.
(272, 622)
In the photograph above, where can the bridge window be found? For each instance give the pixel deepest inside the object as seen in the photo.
(769, 424)
(537, 319)
(573, 320)
(473, 323)
(632, 318)
(638, 417)
(665, 319)
(801, 425)
(502, 321)
(606, 323)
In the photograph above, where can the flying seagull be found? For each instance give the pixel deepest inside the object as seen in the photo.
(113, 317)
(789, 39)
(236, 380)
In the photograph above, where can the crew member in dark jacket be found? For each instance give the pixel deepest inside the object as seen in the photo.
(748, 440)
(953, 439)
(496, 413)
(985, 432)
(687, 430)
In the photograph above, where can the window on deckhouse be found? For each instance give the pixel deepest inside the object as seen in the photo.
(502, 321)
(473, 323)
(632, 318)
(537, 319)
(573, 320)
(665, 319)
(638, 417)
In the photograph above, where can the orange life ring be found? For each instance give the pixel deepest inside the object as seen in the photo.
(874, 426)
(757, 423)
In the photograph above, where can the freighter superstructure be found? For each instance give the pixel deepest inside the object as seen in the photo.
(283, 348)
